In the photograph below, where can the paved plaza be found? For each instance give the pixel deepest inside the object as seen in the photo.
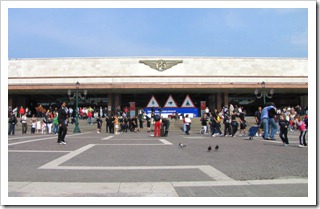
(140, 165)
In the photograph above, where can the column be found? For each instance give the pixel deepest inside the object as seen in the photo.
(304, 101)
(226, 98)
(10, 103)
(110, 103)
(116, 100)
(211, 104)
(203, 106)
(219, 104)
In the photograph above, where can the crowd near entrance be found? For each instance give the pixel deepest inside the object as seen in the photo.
(109, 102)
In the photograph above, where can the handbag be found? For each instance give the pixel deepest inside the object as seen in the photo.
(234, 123)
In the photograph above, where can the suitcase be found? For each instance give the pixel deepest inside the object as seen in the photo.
(252, 131)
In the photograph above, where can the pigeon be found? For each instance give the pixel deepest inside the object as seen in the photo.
(216, 148)
(209, 148)
(182, 145)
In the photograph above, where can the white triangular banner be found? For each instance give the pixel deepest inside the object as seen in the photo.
(170, 102)
(153, 102)
(187, 102)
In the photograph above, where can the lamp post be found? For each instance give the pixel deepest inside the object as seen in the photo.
(76, 96)
(263, 93)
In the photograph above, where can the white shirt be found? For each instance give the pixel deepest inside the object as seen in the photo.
(188, 121)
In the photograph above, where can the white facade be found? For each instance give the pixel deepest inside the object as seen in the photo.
(57, 71)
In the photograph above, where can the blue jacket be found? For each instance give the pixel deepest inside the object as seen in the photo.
(264, 112)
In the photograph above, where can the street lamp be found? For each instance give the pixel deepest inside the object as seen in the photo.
(263, 93)
(76, 96)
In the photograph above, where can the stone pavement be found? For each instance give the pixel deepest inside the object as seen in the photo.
(139, 165)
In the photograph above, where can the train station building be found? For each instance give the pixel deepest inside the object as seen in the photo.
(112, 82)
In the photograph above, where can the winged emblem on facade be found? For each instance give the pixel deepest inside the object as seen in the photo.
(160, 65)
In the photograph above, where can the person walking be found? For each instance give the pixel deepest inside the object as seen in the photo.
(33, 124)
(107, 124)
(166, 125)
(215, 124)
(243, 123)
(284, 124)
(99, 124)
(116, 124)
(272, 113)
(265, 120)
(24, 123)
(188, 124)
(227, 124)
(111, 124)
(89, 117)
(204, 121)
(234, 123)
(157, 125)
(257, 116)
(140, 115)
(12, 123)
(55, 124)
(62, 120)
(303, 131)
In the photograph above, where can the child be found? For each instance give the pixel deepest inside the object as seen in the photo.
(43, 128)
(33, 127)
(116, 124)
(99, 124)
(204, 124)
(55, 123)
(284, 124)
(38, 125)
(302, 128)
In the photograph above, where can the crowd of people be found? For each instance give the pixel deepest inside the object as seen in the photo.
(47, 121)
(270, 120)
(231, 117)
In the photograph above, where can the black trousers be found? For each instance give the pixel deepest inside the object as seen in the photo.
(234, 129)
(227, 126)
(62, 133)
(24, 128)
(284, 135)
(12, 129)
(215, 128)
(188, 129)
(111, 128)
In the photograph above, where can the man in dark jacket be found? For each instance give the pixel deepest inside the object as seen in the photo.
(12, 123)
(62, 119)
(166, 125)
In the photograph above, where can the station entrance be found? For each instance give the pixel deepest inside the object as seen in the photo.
(112, 100)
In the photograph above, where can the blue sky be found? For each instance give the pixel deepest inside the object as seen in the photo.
(215, 32)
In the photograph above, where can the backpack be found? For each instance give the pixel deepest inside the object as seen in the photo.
(218, 118)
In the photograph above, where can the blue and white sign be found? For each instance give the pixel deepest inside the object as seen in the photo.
(168, 112)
